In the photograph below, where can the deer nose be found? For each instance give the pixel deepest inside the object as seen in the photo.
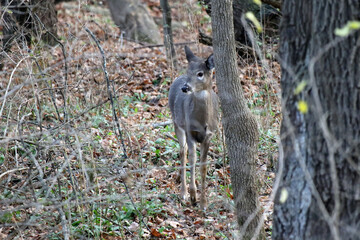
(186, 88)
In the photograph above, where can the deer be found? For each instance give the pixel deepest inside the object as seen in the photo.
(194, 109)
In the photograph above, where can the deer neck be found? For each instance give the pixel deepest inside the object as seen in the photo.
(202, 95)
(202, 103)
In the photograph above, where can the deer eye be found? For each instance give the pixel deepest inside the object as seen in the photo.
(200, 75)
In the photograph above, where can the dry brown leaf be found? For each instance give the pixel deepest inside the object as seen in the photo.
(200, 221)
(173, 224)
(155, 232)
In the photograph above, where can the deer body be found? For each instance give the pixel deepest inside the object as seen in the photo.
(194, 109)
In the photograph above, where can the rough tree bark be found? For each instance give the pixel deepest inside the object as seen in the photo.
(240, 126)
(168, 37)
(319, 193)
(134, 20)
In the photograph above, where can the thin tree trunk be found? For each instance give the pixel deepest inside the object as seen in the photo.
(240, 126)
(319, 196)
(168, 37)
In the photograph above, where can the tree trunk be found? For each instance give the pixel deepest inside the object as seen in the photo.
(22, 20)
(45, 13)
(134, 20)
(319, 193)
(240, 126)
(168, 37)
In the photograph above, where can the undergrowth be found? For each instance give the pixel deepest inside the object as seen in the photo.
(68, 167)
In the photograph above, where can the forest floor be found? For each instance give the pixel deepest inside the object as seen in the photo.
(77, 168)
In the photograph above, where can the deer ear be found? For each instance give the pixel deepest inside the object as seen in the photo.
(189, 54)
(210, 62)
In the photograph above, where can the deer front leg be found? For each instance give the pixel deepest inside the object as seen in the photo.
(203, 172)
(180, 133)
(183, 188)
(192, 162)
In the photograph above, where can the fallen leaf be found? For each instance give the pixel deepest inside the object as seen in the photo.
(134, 226)
(202, 236)
(155, 232)
(173, 224)
(200, 221)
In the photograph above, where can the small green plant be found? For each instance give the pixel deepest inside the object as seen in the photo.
(97, 120)
(227, 190)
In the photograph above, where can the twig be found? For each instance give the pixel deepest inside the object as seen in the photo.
(132, 202)
(171, 137)
(120, 136)
(9, 83)
(162, 45)
(65, 66)
(42, 180)
(13, 170)
(275, 4)
(156, 125)
(115, 118)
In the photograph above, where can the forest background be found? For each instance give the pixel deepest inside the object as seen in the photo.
(88, 148)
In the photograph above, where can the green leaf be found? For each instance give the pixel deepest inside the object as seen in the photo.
(300, 87)
(157, 152)
(258, 2)
(347, 29)
(303, 106)
(342, 32)
(284, 194)
(354, 25)
(253, 19)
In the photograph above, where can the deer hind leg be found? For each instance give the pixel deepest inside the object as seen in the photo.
(203, 172)
(192, 162)
(180, 133)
